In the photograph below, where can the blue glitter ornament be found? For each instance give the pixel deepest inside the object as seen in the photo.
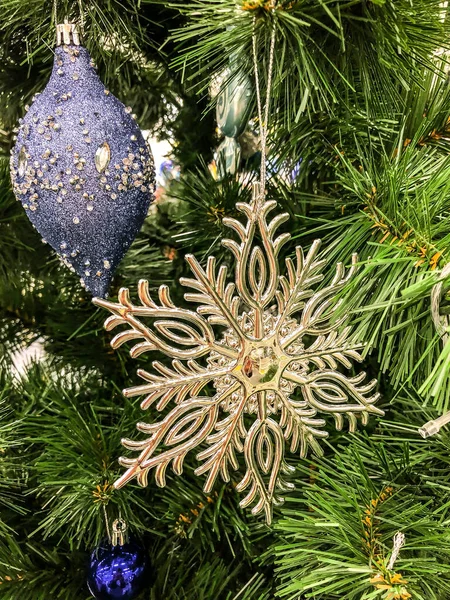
(81, 168)
(117, 570)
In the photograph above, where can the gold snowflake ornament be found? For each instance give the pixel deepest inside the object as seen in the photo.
(268, 344)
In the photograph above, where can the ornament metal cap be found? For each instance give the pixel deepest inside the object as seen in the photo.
(67, 34)
(119, 528)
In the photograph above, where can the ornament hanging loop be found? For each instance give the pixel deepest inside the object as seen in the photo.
(67, 33)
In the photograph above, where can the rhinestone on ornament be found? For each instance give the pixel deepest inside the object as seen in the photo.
(102, 157)
(23, 162)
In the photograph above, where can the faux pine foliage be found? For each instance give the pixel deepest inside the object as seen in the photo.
(359, 142)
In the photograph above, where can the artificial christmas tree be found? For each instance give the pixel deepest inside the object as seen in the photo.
(357, 153)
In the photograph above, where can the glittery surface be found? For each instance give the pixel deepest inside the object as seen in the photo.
(82, 170)
(117, 571)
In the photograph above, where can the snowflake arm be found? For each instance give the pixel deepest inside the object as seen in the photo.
(329, 350)
(318, 313)
(216, 298)
(183, 334)
(223, 444)
(185, 427)
(329, 391)
(174, 383)
(264, 455)
(257, 270)
(301, 275)
(300, 426)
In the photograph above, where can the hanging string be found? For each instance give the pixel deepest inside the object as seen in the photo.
(108, 530)
(55, 13)
(263, 119)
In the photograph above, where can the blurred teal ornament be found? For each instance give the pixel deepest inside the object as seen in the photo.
(233, 103)
(228, 157)
(233, 92)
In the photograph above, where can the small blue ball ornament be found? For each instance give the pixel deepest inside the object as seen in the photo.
(117, 570)
(81, 167)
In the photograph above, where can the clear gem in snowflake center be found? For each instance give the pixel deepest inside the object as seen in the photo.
(261, 365)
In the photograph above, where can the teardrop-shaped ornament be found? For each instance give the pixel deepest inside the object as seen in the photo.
(67, 142)
(102, 157)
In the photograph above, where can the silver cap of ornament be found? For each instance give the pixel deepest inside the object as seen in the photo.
(67, 34)
(119, 528)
